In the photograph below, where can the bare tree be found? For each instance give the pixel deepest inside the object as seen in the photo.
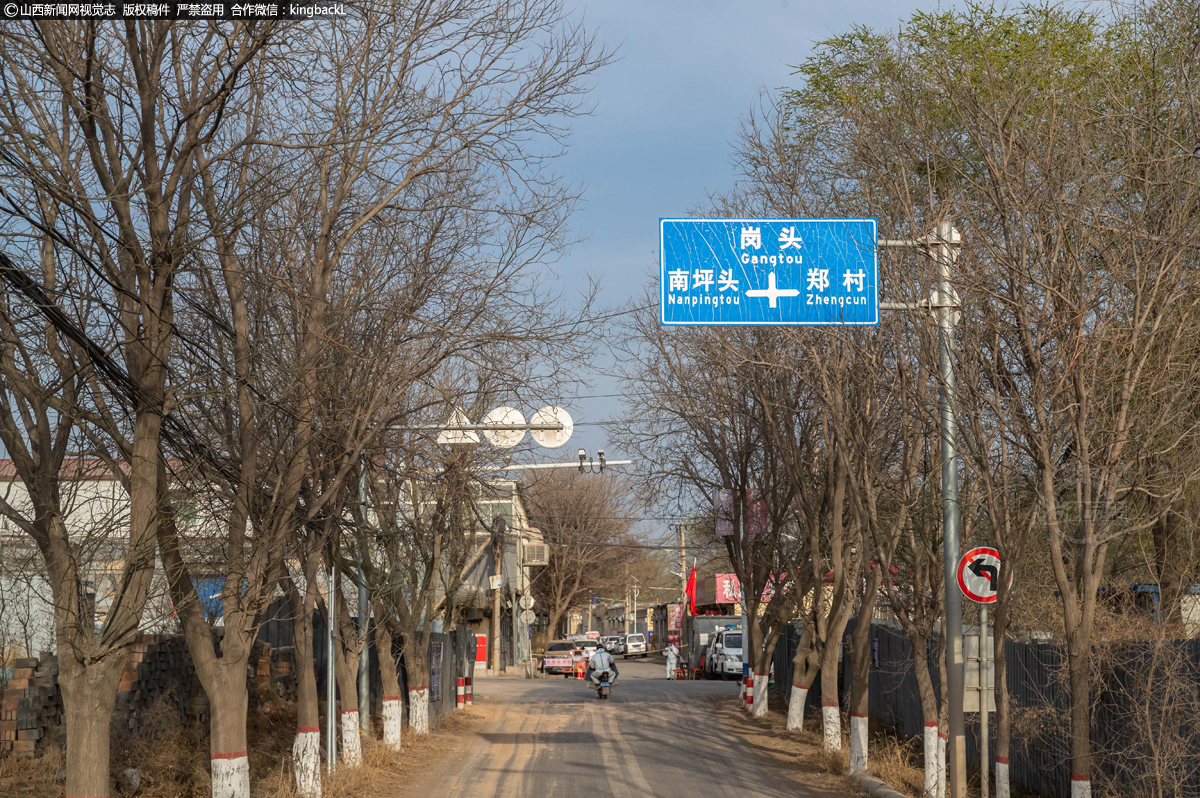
(706, 434)
(404, 250)
(100, 124)
(1076, 276)
(584, 520)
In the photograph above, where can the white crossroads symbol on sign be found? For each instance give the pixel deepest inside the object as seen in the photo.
(771, 292)
(979, 573)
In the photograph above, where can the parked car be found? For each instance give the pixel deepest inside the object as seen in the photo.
(608, 643)
(724, 657)
(559, 657)
(618, 644)
(635, 645)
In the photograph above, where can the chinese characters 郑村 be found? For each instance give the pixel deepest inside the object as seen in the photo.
(855, 279)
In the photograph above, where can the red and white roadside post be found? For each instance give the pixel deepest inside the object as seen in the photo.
(460, 693)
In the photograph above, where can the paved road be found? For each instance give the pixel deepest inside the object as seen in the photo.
(553, 737)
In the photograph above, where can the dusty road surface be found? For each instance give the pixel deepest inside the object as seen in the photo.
(552, 737)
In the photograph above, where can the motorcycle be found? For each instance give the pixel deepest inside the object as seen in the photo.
(605, 686)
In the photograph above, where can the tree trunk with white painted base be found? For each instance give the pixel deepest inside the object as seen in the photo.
(347, 651)
(227, 699)
(417, 668)
(351, 737)
(1079, 666)
(392, 701)
(306, 748)
(930, 709)
(806, 664)
(858, 741)
(930, 744)
(306, 763)
(831, 716)
(795, 719)
(761, 680)
(942, 770)
(418, 710)
(1002, 789)
(860, 668)
(1000, 692)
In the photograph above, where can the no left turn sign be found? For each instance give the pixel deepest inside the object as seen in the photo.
(979, 574)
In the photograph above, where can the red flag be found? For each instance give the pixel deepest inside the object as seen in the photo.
(691, 588)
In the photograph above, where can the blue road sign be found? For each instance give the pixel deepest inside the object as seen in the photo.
(768, 272)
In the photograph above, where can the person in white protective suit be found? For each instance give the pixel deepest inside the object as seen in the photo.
(672, 659)
(601, 663)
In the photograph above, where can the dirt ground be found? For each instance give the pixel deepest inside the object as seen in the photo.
(797, 752)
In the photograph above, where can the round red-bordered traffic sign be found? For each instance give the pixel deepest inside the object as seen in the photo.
(979, 573)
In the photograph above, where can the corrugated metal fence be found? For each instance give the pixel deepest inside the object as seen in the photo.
(1123, 719)
(451, 655)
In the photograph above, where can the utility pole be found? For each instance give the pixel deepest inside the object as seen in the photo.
(516, 610)
(364, 662)
(945, 303)
(635, 597)
(957, 678)
(497, 541)
(683, 602)
(364, 617)
(625, 606)
(683, 561)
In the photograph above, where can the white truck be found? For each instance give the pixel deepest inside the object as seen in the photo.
(724, 655)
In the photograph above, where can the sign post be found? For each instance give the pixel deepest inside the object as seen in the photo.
(978, 575)
(741, 272)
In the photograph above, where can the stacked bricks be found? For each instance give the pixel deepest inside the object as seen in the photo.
(283, 672)
(31, 709)
(159, 668)
(158, 665)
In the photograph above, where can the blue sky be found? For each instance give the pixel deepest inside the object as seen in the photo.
(659, 139)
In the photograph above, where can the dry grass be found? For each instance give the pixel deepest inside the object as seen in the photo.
(900, 763)
(32, 778)
(173, 759)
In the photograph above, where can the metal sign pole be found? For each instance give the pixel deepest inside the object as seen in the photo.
(946, 304)
(364, 618)
(957, 753)
(330, 685)
(983, 702)
(364, 660)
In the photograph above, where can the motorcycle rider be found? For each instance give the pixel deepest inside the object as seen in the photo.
(601, 662)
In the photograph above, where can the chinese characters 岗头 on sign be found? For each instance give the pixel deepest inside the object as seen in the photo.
(768, 271)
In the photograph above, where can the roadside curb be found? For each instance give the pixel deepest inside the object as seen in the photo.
(872, 785)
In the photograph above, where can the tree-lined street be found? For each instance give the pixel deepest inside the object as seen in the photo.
(318, 404)
(553, 737)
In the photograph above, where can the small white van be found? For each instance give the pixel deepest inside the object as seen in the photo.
(635, 645)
